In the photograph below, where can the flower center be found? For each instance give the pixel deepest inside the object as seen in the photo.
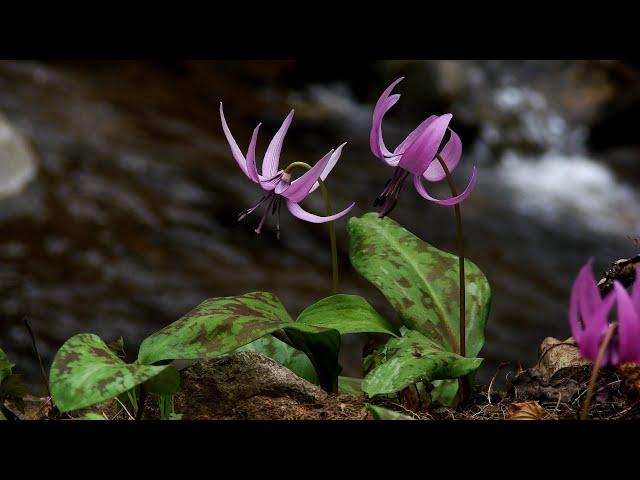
(389, 196)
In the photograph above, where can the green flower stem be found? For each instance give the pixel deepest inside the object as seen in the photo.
(596, 368)
(460, 234)
(332, 228)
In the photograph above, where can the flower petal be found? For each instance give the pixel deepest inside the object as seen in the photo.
(235, 150)
(417, 182)
(635, 292)
(595, 328)
(384, 103)
(450, 154)
(419, 155)
(413, 135)
(589, 299)
(269, 184)
(272, 157)
(297, 211)
(300, 188)
(628, 326)
(252, 171)
(327, 170)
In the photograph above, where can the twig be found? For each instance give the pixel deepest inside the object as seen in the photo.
(131, 417)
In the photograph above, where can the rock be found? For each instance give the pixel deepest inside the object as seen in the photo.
(17, 160)
(232, 386)
(558, 376)
(559, 360)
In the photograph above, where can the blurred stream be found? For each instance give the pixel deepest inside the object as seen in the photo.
(119, 196)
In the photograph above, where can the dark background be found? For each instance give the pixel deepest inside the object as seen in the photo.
(119, 195)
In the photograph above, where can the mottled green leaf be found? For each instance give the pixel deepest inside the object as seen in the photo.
(85, 372)
(13, 388)
(220, 325)
(420, 281)
(381, 413)
(415, 358)
(292, 358)
(350, 385)
(5, 366)
(166, 382)
(347, 314)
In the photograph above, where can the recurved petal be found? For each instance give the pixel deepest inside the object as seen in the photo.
(235, 150)
(421, 152)
(628, 326)
(450, 154)
(417, 183)
(252, 171)
(297, 211)
(335, 156)
(272, 157)
(384, 103)
(300, 188)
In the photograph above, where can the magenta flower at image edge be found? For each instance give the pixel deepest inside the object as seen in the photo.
(588, 319)
(277, 183)
(416, 154)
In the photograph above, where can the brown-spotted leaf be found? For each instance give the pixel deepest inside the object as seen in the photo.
(85, 372)
(221, 325)
(420, 281)
(215, 327)
(411, 359)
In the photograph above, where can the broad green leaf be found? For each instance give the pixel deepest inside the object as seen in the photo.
(220, 325)
(444, 391)
(347, 314)
(166, 382)
(5, 366)
(2, 417)
(420, 281)
(381, 413)
(295, 360)
(85, 372)
(90, 416)
(350, 385)
(415, 358)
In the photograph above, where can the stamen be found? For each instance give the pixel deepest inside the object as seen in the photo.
(264, 216)
(248, 211)
(389, 196)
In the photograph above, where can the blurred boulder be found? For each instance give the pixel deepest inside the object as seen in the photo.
(17, 160)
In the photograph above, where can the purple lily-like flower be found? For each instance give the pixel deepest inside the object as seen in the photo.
(588, 319)
(277, 183)
(416, 155)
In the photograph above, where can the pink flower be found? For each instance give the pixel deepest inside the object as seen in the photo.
(589, 322)
(416, 154)
(277, 183)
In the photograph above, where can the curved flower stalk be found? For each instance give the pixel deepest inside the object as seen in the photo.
(278, 183)
(419, 155)
(601, 340)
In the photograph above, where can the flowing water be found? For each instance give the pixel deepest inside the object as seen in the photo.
(127, 219)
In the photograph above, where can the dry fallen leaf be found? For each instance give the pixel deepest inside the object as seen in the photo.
(530, 410)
